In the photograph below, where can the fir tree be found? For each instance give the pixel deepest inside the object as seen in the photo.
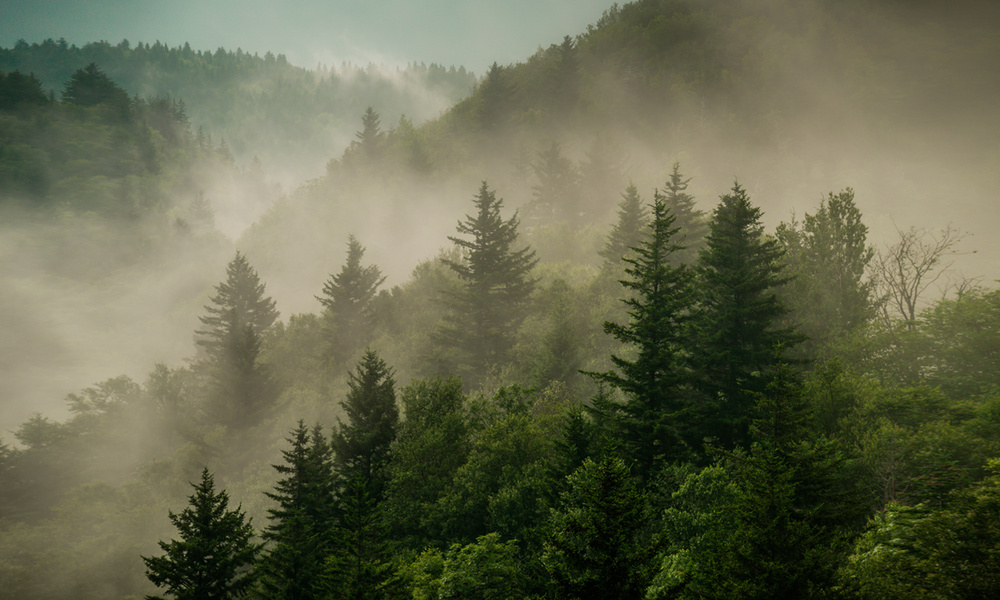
(362, 444)
(486, 311)
(654, 420)
(740, 332)
(693, 223)
(347, 299)
(239, 388)
(630, 229)
(215, 556)
(303, 524)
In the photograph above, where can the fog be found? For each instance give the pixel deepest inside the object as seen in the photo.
(899, 106)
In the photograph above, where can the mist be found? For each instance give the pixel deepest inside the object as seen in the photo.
(105, 269)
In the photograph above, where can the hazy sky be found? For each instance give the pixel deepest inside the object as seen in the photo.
(473, 33)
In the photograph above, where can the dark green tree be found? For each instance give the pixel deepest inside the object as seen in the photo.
(301, 532)
(18, 90)
(740, 331)
(654, 420)
(90, 86)
(485, 312)
(347, 299)
(433, 442)
(362, 445)
(596, 547)
(494, 95)
(215, 556)
(363, 449)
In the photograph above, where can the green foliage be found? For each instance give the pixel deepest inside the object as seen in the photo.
(302, 525)
(363, 444)
(913, 552)
(739, 329)
(431, 445)
(215, 555)
(486, 311)
(18, 90)
(596, 548)
(829, 255)
(348, 301)
(654, 422)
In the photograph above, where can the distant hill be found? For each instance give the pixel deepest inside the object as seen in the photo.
(293, 119)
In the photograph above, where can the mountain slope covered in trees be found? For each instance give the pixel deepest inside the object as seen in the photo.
(563, 341)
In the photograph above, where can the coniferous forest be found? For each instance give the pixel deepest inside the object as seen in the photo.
(687, 306)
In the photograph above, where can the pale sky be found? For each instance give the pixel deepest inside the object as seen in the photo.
(471, 33)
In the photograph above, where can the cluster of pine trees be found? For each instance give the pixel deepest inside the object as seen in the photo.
(724, 454)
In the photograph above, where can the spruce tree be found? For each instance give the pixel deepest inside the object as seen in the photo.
(485, 312)
(692, 222)
(239, 388)
(347, 299)
(740, 333)
(630, 229)
(302, 529)
(653, 422)
(215, 556)
(362, 447)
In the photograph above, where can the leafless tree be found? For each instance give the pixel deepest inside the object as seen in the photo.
(905, 270)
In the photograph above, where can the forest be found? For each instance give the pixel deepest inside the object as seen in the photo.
(688, 306)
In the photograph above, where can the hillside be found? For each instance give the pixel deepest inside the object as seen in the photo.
(670, 310)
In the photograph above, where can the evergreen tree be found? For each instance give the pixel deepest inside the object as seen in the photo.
(362, 451)
(432, 444)
(692, 222)
(556, 196)
(239, 302)
(347, 298)
(486, 311)
(303, 524)
(90, 86)
(18, 90)
(630, 229)
(362, 445)
(371, 138)
(215, 556)
(740, 334)
(595, 548)
(654, 421)
(239, 387)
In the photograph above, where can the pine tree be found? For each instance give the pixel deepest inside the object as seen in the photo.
(362, 445)
(362, 456)
(630, 229)
(595, 549)
(303, 524)
(485, 313)
(239, 302)
(692, 222)
(215, 556)
(740, 335)
(829, 255)
(239, 388)
(653, 422)
(347, 298)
